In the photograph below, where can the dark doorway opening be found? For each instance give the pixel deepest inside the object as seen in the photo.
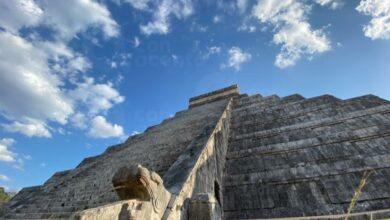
(217, 192)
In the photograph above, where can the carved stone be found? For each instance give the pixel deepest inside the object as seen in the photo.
(142, 192)
(137, 182)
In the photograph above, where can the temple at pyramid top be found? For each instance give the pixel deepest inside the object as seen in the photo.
(216, 95)
(233, 156)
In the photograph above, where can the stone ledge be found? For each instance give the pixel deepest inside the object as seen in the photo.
(371, 215)
(214, 96)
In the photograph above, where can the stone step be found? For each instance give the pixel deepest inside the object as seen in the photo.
(263, 197)
(315, 124)
(254, 100)
(292, 98)
(64, 200)
(32, 215)
(60, 206)
(275, 119)
(309, 105)
(260, 146)
(328, 195)
(303, 173)
(335, 138)
(375, 112)
(242, 101)
(285, 107)
(299, 136)
(274, 102)
(319, 131)
(380, 111)
(267, 101)
(47, 206)
(294, 111)
(257, 109)
(372, 138)
(338, 214)
(318, 154)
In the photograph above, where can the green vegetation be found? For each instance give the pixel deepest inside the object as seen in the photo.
(4, 197)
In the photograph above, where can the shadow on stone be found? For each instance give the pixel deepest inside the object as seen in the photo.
(124, 213)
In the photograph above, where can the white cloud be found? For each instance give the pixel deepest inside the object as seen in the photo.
(67, 18)
(10, 157)
(292, 31)
(214, 49)
(135, 133)
(19, 164)
(139, 4)
(30, 129)
(379, 26)
(162, 13)
(124, 58)
(78, 63)
(236, 58)
(242, 5)
(26, 74)
(333, 4)
(217, 19)
(100, 128)
(63, 59)
(113, 65)
(120, 59)
(136, 42)
(18, 14)
(5, 154)
(4, 177)
(298, 40)
(211, 51)
(247, 25)
(35, 74)
(119, 79)
(96, 97)
(247, 28)
(71, 17)
(79, 120)
(198, 27)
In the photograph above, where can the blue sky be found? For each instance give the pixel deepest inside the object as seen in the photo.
(80, 75)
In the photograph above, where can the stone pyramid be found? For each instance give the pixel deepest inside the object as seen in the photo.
(233, 156)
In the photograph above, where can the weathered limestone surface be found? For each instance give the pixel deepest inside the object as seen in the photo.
(224, 93)
(233, 156)
(122, 210)
(204, 206)
(90, 183)
(199, 170)
(295, 157)
(142, 193)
